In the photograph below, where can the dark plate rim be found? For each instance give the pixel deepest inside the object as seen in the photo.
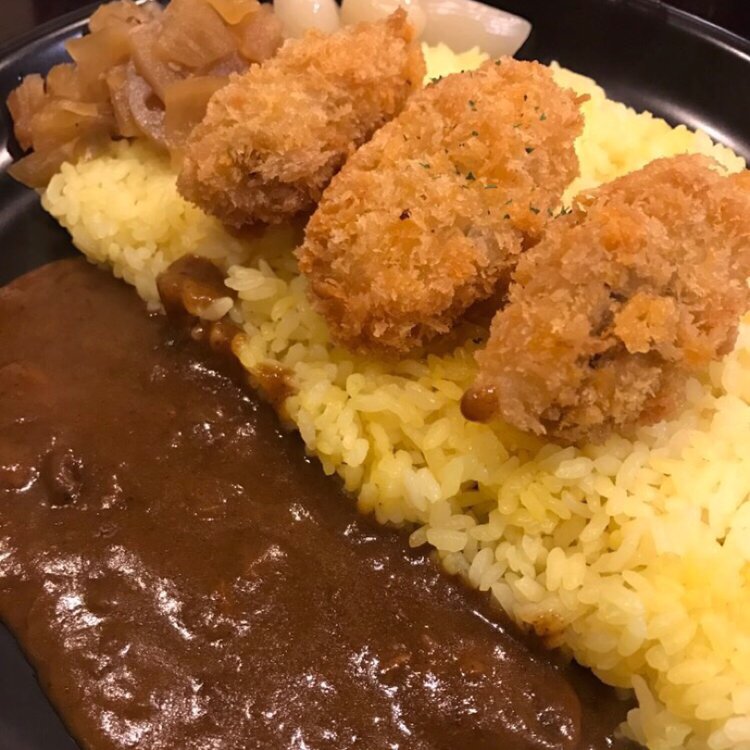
(689, 22)
(24, 43)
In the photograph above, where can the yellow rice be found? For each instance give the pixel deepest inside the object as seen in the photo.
(635, 555)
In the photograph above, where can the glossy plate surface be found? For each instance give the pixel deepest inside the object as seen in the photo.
(643, 53)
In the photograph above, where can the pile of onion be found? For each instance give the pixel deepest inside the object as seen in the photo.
(140, 72)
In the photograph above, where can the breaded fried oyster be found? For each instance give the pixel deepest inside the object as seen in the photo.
(431, 215)
(273, 138)
(640, 286)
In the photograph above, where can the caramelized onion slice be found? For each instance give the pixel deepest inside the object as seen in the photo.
(65, 81)
(259, 35)
(24, 102)
(63, 120)
(463, 24)
(147, 110)
(193, 34)
(297, 16)
(38, 168)
(186, 102)
(233, 11)
(96, 53)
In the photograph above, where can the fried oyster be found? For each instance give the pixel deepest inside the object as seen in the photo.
(640, 286)
(431, 215)
(274, 137)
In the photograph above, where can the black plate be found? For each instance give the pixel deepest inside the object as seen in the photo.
(643, 53)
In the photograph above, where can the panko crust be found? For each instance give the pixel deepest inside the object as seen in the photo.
(431, 215)
(640, 286)
(273, 138)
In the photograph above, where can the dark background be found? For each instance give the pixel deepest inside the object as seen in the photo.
(22, 15)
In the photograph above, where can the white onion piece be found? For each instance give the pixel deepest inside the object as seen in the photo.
(297, 16)
(355, 11)
(463, 24)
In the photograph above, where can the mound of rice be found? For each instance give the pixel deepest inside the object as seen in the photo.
(634, 555)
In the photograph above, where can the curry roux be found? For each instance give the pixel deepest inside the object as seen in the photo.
(183, 578)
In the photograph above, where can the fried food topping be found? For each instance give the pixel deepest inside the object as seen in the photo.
(273, 139)
(431, 216)
(642, 285)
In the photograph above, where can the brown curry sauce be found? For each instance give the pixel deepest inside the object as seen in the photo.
(182, 577)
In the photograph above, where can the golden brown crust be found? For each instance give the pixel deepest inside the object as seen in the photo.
(431, 215)
(273, 138)
(641, 285)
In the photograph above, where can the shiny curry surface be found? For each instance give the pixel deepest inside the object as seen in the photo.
(182, 577)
